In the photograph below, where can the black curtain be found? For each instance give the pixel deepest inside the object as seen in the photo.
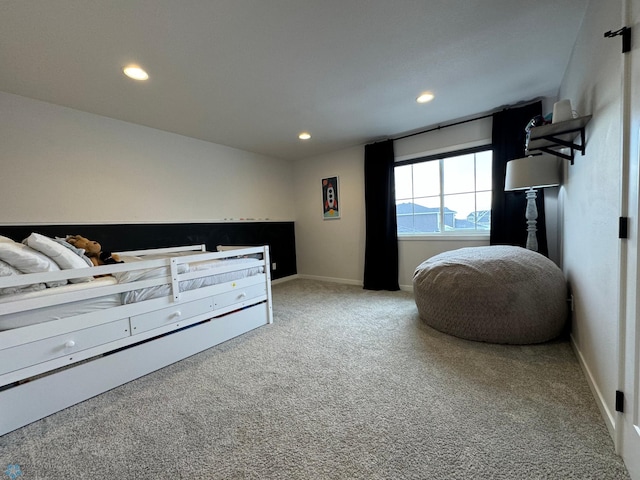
(381, 248)
(508, 222)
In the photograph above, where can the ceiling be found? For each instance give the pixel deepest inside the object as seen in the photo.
(252, 74)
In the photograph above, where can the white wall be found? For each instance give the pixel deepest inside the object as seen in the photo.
(334, 249)
(331, 249)
(466, 135)
(591, 200)
(59, 165)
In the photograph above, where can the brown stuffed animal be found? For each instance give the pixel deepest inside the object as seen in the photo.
(93, 250)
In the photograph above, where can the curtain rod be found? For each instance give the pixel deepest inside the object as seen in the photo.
(440, 127)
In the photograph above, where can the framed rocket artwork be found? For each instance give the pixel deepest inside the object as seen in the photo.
(330, 198)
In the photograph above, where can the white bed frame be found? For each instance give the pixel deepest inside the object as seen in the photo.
(50, 366)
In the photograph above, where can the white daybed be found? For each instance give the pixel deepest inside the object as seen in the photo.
(50, 362)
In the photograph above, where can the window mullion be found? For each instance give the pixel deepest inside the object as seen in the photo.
(413, 201)
(475, 192)
(441, 172)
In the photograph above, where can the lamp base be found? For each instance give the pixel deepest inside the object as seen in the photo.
(531, 215)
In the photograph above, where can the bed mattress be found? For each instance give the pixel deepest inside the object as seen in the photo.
(249, 267)
(55, 312)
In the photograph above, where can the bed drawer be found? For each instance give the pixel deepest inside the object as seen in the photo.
(240, 295)
(22, 356)
(160, 318)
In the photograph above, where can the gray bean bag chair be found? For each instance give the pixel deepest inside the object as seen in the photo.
(497, 294)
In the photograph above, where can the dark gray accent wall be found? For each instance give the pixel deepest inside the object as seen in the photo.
(280, 236)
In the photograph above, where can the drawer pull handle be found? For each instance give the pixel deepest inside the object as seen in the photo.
(177, 314)
(70, 344)
(242, 295)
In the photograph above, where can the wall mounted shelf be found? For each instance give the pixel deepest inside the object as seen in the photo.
(555, 136)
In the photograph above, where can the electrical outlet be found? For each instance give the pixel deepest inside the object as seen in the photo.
(273, 266)
(572, 302)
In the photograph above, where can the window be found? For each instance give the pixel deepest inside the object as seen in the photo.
(444, 194)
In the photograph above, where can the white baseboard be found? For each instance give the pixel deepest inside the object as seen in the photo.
(345, 281)
(608, 416)
(332, 280)
(284, 279)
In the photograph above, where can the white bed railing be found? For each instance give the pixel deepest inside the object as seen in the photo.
(173, 277)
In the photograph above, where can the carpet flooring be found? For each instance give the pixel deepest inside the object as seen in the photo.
(346, 384)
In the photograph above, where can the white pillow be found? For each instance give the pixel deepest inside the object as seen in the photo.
(7, 270)
(27, 260)
(63, 257)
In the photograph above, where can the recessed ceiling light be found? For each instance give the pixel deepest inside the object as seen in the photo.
(425, 97)
(304, 136)
(135, 72)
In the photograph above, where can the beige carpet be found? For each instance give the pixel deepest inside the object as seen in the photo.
(346, 384)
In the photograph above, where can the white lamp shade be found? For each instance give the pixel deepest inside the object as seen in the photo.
(537, 171)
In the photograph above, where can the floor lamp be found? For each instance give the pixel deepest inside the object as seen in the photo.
(532, 173)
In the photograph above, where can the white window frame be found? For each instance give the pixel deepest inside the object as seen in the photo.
(445, 234)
